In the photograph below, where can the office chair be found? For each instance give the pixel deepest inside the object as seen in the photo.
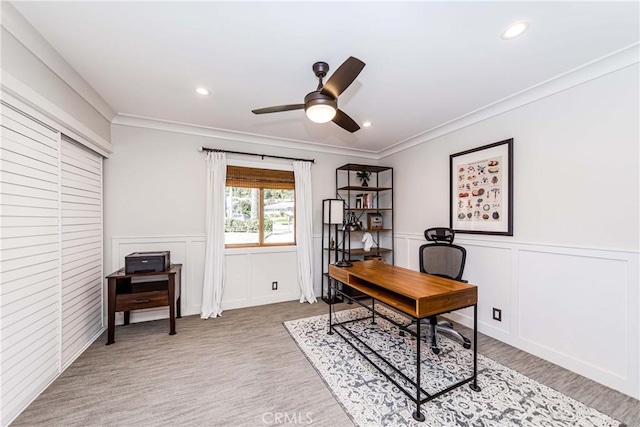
(444, 259)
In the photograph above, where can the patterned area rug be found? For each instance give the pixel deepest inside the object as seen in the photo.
(507, 397)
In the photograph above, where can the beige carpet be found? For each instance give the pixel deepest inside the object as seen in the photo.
(242, 369)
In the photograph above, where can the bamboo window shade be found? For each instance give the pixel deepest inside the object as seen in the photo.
(238, 176)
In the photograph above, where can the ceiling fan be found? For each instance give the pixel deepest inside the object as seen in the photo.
(321, 105)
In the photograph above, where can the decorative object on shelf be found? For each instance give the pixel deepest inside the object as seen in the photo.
(347, 227)
(374, 221)
(364, 177)
(481, 190)
(345, 231)
(354, 223)
(367, 239)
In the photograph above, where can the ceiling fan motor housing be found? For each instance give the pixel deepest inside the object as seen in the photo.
(320, 69)
(316, 98)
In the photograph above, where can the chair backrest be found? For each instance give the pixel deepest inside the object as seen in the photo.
(442, 259)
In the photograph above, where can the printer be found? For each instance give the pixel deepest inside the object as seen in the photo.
(147, 262)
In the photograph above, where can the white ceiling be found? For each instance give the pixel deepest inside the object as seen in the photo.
(427, 62)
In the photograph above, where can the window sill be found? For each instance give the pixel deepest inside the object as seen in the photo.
(260, 249)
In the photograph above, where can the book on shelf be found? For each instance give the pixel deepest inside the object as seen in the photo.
(364, 201)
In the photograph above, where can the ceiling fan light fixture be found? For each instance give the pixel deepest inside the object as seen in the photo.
(320, 108)
(321, 113)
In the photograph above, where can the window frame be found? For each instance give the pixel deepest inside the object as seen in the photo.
(261, 186)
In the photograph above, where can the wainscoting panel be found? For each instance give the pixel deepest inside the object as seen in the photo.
(238, 280)
(490, 269)
(195, 267)
(268, 268)
(575, 307)
(585, 314)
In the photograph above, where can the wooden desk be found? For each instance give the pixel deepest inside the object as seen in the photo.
(415, 294)
(126, 295)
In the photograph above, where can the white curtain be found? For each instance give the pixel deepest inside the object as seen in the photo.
(304, 229)
(214, 252)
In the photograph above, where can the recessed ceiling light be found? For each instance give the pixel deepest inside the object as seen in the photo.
(366, 124)
(202, 91)
(514, 30)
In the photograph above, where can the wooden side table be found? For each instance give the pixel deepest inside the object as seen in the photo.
(126, 295)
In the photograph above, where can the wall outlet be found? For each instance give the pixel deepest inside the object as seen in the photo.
(274, 286)
(497, 314)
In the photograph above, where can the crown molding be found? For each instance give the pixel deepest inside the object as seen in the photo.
(210, 132)
(14, 90)
(607, 64)
(25, 33)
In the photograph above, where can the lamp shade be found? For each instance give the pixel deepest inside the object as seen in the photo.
(333, 211)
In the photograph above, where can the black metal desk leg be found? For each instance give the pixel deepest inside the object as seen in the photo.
(474, 385)
(373, 310)
(417, 415)
(330, 308)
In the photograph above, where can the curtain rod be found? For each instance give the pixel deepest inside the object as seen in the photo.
(216, 150)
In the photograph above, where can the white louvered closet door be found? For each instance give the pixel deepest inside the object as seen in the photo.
(81, 190)
(29, 259)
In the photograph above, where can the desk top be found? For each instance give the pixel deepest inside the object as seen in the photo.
(120, 274)
(414, 293)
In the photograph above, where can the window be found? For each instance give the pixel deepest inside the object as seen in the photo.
(259, 207)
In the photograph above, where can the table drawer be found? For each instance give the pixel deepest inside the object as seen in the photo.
(138, 300)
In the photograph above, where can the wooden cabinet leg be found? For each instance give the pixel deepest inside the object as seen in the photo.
(172, 304)
(127, 317)
(111, 308)
(178, 309)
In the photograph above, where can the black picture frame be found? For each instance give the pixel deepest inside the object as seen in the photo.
(481, 190)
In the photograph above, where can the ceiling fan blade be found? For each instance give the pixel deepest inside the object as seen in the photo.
(345, 122)
(278, 109)
(343, 77)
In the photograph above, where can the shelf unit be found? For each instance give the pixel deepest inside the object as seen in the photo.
(360, 201)
(379, 201)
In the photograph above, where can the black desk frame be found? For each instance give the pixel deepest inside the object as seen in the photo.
(417, 415)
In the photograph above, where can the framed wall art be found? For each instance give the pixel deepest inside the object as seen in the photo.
(481, 185)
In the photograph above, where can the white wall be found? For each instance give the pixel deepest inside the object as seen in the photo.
(35, 72)
(567, 281)
(23, 65)
(155, 199)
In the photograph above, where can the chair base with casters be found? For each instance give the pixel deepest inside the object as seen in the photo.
(441, 327)
(444, 259)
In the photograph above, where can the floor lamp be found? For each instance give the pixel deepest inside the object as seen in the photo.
(333, 212)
